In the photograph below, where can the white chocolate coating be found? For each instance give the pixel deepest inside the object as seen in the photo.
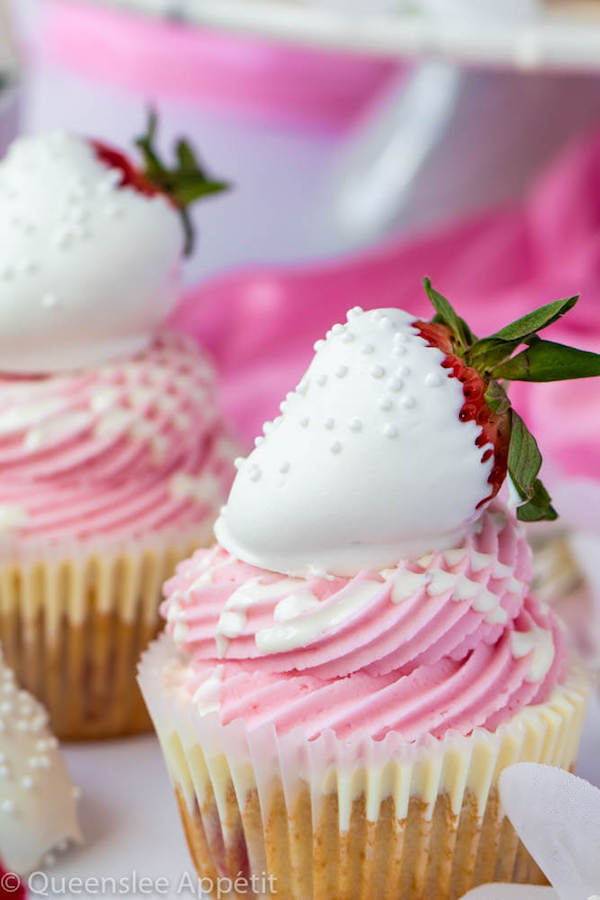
(37, 799)
(88, 270)
(368, 463)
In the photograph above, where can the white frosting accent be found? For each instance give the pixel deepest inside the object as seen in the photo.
(37, 801)
(232, 620)
(295, 605)
(487, 602)
(441, 582)
(306, 629)
(539, 640)
(12, 518)
(206, 489)
(481, 561)
(454, 557)
(208, 695)
(102, 261)
(28, 415)
(406, 584)
(407, 481)
(459, 586)
(69, 423)
(231, 623)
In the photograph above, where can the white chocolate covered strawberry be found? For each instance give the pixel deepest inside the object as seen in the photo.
(38, 808)
(396, 438)
(90, 247)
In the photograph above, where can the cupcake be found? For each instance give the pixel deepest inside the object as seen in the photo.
(347, 672)
(38, 803)
(114, 458)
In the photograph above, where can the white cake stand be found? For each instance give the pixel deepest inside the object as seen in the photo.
(521, 33)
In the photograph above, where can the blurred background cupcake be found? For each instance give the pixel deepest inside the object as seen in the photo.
(114, 457)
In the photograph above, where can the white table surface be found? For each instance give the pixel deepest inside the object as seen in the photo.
(131, 823)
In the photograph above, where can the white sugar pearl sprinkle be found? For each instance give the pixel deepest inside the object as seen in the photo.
(367, 349)
(355, 425)
(354, 312)
(254, 473)
(338, 328)
(341, 371)
(259, 440)
(329, 423)
(390, 431)
(304, 422)
(409, 402)
(336, 447)
(238, 462)
(284, 467)
(318, 344)
(385, 403)
(347, 337)
(396, 383)
(433, 379)
(321, 379)
(377, 371)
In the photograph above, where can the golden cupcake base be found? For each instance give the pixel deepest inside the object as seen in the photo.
(73, 631)
(417, 857)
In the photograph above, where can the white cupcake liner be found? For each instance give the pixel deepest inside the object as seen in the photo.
(224, 774)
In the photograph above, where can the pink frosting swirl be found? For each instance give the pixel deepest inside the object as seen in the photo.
(452, 640)
(119, 450)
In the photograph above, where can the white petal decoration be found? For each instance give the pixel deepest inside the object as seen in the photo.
(557, 816)
(511, 892)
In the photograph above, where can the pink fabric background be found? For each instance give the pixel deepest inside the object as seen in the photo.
(260, 324)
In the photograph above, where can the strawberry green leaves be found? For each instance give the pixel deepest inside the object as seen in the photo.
(524, 463)
(447, 316)
(547, 361)
(183, 184)
(487, 354)
(534, 321)
(495, 359)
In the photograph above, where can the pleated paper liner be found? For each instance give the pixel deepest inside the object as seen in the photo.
(350, 819)
(75, 620)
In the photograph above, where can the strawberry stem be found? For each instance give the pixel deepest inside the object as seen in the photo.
(184, 183)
